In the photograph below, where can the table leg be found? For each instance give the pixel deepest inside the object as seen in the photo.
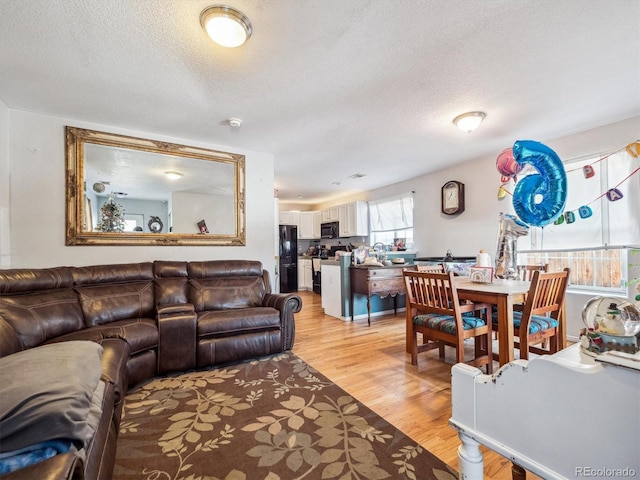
(395, 304)
(470, 458)
(505, 329)
(517, 472)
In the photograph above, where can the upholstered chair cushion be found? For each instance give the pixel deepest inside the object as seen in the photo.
(537, 324)
(446, 323)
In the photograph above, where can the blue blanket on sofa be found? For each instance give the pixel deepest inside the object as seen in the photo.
(17, 459)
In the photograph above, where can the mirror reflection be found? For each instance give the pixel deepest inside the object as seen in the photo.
(134, 191)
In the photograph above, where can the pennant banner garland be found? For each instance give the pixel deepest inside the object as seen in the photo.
(508, 168)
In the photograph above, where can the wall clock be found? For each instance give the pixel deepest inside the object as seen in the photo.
(155, 224)
(452, 198)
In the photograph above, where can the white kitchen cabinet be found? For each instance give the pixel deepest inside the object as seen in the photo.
(291, 217)
(330, 215)
(317, 221)
(331, 290)
(309, 226)
(353, 219)
(305, 274)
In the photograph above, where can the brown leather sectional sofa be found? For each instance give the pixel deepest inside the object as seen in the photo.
(150, 318)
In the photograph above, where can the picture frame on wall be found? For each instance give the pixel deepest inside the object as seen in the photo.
(202, 226)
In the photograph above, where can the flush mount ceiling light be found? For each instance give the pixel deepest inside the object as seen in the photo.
(225, 25)
(468, 122)
(173, 175)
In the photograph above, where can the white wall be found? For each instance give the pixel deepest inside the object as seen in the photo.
(5, 240)
(477, 226)
(37, 201)
(189, 208)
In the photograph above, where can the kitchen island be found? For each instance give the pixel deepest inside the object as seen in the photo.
(336, 291)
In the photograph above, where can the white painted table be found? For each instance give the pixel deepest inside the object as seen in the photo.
(558, 416)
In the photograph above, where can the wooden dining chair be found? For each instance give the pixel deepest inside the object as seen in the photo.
(525, 272)
(538, 327)
(434, 311)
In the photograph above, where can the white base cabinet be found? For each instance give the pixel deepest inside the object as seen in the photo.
(331, 290)
(305, 275)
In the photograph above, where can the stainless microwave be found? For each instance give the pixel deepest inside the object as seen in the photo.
(329, 230)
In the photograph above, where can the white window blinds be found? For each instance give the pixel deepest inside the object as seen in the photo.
(613, 223)
(391, 214)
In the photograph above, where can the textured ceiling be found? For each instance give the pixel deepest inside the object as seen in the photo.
(332, 87)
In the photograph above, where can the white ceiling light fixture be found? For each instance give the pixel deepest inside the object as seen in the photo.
(235, 122)
(173, 175)
(468, 122)
(225, 25)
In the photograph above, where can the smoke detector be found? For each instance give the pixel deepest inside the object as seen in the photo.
(235, 122)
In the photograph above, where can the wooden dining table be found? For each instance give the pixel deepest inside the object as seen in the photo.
(504, 294)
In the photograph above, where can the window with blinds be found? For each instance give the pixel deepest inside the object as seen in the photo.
(391, 219)
(595, 247)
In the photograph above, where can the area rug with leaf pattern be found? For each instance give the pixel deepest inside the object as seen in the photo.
(274, 418)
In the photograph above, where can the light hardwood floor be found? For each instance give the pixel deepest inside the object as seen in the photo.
(371, 364)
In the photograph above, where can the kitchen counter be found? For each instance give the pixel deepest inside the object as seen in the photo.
(394, 265)
(441, 259)
(335, 263)
(336, 290)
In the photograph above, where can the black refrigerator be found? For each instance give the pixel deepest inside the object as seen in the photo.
(288, 237)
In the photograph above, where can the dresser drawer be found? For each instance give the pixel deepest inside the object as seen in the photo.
(385, 273)
(386, 286)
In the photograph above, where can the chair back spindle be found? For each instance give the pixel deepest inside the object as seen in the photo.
(525, 272)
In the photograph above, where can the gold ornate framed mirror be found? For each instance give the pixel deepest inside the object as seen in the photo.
(125, 190)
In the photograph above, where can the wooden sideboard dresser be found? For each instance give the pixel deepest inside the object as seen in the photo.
(373, 280)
